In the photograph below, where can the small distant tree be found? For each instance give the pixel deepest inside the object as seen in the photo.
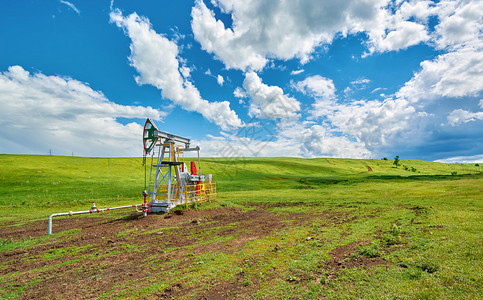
(384, 158)
(396, 162)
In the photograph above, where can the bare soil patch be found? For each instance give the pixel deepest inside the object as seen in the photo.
(109, 252)
(343, 258)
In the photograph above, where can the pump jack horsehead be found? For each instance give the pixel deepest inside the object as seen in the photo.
(167, 189)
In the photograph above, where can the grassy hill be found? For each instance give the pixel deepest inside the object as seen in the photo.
(44, 182)
(280, 228)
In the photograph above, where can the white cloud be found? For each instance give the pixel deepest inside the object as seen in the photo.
(463, 159)
(296, 72)
(361, 81)
(285, 29)
(220, 80)
(264, 30)
(420, 10)
(403, 35)
(257, 36)
(460, 24)
(403, 119)
(269, 101)
(185, 71)
(215, 38)
(317, 141)
(156, 59)
(377, 90)
(374, 123)
(239, 93)
(317, 87)
(322, 90)
(71, 5)
(277, 29)
(347, 91)
(454, 74)
(232, 146)
(460, 116)
(42, 112)
(293, 140)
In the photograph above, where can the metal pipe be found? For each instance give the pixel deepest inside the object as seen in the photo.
(94, 209)
(199, 162)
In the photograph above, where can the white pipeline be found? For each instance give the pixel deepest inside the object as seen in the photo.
(93, 209)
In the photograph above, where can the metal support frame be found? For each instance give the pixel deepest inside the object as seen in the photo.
(166, 188)
(167, 161)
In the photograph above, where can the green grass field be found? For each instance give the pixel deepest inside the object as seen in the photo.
(292, 228)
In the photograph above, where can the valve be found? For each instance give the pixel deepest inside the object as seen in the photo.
(145, 207)
(93, 207)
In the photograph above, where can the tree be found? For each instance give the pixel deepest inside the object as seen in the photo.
(396, 162)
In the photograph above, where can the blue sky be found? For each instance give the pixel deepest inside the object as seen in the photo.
(357, 79)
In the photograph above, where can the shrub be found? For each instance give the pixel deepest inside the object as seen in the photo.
(369, 251)
(413, 273)
(393, 236)
(428, 267)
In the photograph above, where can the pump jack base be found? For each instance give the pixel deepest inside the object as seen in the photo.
(161, 206)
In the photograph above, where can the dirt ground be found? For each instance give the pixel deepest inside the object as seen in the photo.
(109, 252)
